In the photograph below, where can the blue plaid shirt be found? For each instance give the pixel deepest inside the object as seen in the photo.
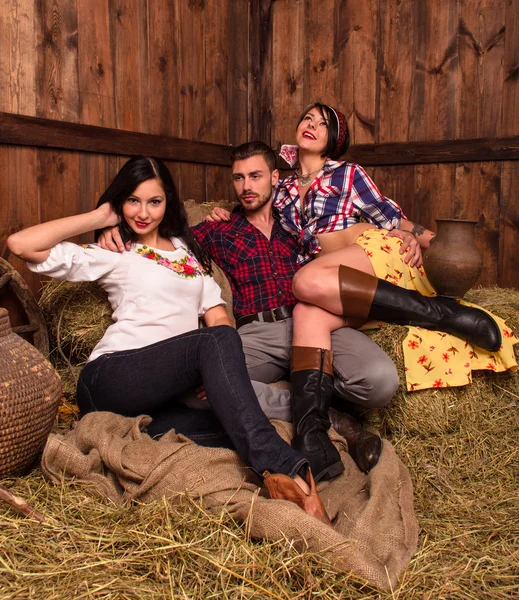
(341, 193)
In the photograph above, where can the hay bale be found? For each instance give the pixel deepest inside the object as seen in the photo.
(77, 315)
(465, 485)
(197, 212)
(503, 302)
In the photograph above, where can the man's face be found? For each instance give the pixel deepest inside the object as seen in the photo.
(253, 182)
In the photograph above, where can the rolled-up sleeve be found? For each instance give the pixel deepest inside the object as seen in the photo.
(366, 197)
(211, 295)
(70, 262)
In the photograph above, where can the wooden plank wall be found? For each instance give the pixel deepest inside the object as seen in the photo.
(406, 71)
(160, 67)
(225, 71)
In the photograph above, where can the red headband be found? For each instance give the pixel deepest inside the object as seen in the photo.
(342, 131)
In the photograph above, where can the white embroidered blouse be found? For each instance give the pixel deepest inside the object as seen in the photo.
(154, 294)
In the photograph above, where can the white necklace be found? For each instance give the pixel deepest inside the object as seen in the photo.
(305, 179)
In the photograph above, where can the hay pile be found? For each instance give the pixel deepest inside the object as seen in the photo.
(460, 445)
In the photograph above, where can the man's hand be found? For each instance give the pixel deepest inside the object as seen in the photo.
(218, 214)
(110, 239)
(410, 246)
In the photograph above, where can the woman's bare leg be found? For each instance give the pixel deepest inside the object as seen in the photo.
(313, 326)
(317, 282)
(343, 283)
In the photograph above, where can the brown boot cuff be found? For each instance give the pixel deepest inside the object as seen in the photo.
(305, 358)
(283, 487)
(357, 291)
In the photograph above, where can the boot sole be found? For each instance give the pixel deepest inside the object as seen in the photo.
(329, 472)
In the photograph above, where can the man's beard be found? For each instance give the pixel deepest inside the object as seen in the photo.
(260, 203)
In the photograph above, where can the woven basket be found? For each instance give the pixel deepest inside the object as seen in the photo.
(30, 391)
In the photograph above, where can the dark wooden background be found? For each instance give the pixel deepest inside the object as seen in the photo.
(422, 75)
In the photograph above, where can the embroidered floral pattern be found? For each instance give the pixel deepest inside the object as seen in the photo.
(187, 266)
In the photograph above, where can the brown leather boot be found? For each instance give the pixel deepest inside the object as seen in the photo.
(283, 487)
(366, 296)
(312, 391)
(363, 446)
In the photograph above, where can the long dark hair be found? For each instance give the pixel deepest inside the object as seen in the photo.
(174, 223)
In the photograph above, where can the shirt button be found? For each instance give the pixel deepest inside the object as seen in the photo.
(280, 293)
(275, 274)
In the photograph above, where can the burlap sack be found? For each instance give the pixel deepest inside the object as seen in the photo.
(375, 533)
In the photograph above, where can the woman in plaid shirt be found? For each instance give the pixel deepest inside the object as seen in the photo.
(353, 271)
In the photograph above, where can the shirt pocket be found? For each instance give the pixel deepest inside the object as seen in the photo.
(325, 203)
(239, 247)
(328, 191)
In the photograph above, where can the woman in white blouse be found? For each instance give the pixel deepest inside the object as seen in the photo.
(154, 351)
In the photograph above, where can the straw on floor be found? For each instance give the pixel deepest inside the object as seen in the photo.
(460, 446)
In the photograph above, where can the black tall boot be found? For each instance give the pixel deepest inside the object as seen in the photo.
(312, 392)
(365, 296)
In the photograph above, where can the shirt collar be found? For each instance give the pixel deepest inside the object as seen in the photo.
(289, 190)
(329, 166)
(239, 215)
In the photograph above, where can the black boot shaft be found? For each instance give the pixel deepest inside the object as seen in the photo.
(312, 393)
(440, 313)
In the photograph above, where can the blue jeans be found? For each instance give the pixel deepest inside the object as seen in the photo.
(149, 380)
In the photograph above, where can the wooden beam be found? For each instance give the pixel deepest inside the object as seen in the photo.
(48, 133)
(440, 151)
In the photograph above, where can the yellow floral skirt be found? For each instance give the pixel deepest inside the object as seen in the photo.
(432, 359)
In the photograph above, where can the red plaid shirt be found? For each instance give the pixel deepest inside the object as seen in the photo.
(341, 193)
(259, 270)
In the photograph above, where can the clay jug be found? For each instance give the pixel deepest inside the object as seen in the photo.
(453, 262)
(30, 391)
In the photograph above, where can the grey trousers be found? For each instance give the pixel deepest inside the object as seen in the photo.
(364, 373)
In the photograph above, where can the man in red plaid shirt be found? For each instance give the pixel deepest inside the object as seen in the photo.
(259, 259)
